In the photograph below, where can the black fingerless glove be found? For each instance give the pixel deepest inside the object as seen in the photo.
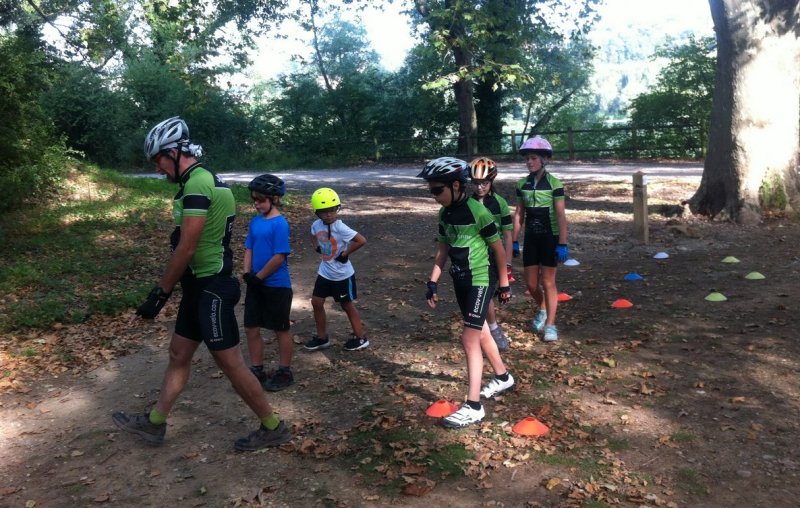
(342, 258)
(432, 290)
(318, 249)
(251, 279)
(153, 304)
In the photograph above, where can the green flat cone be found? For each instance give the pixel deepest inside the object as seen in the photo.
(716, 297)
(754, 276)
(730, 259)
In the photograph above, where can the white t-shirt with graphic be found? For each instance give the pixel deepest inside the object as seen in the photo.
(331, 246)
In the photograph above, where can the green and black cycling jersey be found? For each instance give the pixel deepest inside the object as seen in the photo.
(498, 206)
(539, 200)
(203, 194)
(468, 229)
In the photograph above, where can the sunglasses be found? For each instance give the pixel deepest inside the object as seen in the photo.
(437, 190)
(481, 183)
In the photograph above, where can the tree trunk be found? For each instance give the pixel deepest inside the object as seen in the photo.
(754, 133)
(463, 89)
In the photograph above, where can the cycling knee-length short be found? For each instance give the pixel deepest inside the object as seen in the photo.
(206, 312)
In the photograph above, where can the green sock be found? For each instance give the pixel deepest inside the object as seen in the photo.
(271, 422)
(157, 418)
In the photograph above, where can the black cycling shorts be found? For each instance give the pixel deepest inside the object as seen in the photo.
(206, 312)
(267, 307)
(473, 301)
(540, 250)
(342, 291)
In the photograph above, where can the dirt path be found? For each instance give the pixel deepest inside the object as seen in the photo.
(675, 402)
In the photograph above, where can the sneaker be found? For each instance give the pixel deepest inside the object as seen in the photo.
(263, 438)
(550, 333)
(141, 426)
(316, 343)
(259, 374)
(500, 338)
(356, 343)
(539, 320)
(282, 378)
(463, 417)
(496, 386)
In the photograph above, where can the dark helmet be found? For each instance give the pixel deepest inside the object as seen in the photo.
(445, 169)
(268, 185)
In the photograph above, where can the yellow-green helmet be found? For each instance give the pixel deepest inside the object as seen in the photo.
(324, 198)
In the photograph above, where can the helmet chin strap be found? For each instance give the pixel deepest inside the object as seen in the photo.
(462, 194)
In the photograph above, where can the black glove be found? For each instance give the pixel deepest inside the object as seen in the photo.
(318, 249)
(432, 290)
(504, 294)
(251, 279)
(342, 258)
(153, 304)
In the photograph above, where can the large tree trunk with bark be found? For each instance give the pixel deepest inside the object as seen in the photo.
(752, 160)
(463, 89)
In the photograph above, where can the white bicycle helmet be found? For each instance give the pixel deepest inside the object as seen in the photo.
(537, 145)
(445, 169)
(171, 133)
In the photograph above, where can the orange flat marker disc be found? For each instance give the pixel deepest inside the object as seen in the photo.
(530, 426)
(622, 304)
(441, 408)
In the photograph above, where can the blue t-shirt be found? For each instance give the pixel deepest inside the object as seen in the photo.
(267, 237)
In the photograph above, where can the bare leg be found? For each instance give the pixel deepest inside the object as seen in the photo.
(244, 382)
(255, 345)
(550, 293)
(471, 340)
(532, 280)
(318, 304)
(285, 348)
(489, 348)
(491, 315)
(349, 308)
(181, 351)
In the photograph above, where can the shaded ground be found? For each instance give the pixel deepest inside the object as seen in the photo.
(675, 402)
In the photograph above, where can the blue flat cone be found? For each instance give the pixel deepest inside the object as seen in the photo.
(633, 276)
(661, 255)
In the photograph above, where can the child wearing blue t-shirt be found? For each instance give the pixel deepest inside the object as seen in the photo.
(335, 242)
(268, 301)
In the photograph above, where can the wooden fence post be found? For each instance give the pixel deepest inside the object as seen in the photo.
(640, 225)
(570, 144)
(514, 143)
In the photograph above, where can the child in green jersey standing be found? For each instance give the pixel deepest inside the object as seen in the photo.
(482, 172)
(540, 207)
(469, 237)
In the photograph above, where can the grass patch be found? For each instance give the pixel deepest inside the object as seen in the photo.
(588, 467)
(96, 249)
(690, 482)
(682, 437)
(618, 444)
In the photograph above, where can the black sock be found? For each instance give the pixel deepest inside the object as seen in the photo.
(502, 377)
(474, 405)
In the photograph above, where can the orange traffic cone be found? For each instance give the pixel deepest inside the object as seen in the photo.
(530, 426)
(564, 297)
(622, 304)
(441, 408)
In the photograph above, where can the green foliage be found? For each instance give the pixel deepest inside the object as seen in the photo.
(772, 193)
(32, 158)
(681, 98)
(43, 250)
